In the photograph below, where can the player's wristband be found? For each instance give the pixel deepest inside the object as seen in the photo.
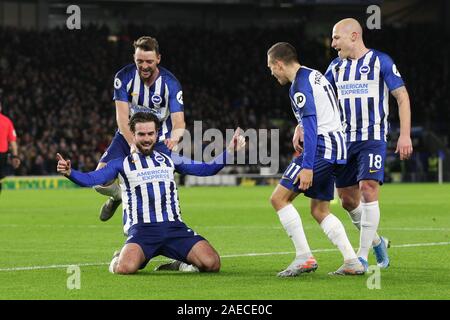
(15, 157)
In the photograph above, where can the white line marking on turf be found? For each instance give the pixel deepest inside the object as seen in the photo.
(61, 266)
(94, 226)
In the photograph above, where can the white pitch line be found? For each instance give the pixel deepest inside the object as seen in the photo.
(54, 266)
(430, 244)
(61, 266)
(415, 229)
(95, 226)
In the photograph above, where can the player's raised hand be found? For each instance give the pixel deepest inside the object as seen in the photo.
(171, 144)
(404, 147)
(63, 165)
(237, 142)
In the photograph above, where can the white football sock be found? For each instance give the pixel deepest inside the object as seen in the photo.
(184, 267)
(370, 219)
(113, 190)
(355, 216)
(290, 219)
(335, 231)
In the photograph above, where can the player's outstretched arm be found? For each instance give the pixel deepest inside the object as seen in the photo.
(89, 179)
(196, 168)
(404, 143)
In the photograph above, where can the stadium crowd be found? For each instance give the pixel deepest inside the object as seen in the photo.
(57, 85)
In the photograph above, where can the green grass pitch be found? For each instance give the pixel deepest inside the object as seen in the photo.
(42, 232)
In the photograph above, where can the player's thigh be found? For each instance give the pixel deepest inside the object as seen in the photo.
(149, 238)
(131, 257)
(347, 175)
(324, 177)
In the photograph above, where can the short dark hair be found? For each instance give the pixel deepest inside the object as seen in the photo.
(147, 43)
(284, 52)
(142, 117)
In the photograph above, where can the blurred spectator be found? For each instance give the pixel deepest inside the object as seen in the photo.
(59, 84)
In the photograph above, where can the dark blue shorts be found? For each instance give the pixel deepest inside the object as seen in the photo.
(173, 239)
(323, 178)
(119, 148)
(365, 161)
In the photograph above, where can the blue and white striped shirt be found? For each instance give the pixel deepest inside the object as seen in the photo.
(162, 98)
(315, 106)
(363, 88)
(149, 191)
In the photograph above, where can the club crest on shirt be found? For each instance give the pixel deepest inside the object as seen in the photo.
(156, 99)
(299, 99)
(160, 158)
(364, 69)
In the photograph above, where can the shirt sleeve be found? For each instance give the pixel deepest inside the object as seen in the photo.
(120, 86)
(185, 165)
(11, 133)
(390, 73)
(303, 101)
(310, 141)
(101, 176)
(329, 74)
(175, 96)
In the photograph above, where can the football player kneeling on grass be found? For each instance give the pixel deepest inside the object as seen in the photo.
(152, 217)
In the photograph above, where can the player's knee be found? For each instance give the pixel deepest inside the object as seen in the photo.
(369, 190)
(349, 203)
(278, 202)
(210, 263)
(125, 268)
